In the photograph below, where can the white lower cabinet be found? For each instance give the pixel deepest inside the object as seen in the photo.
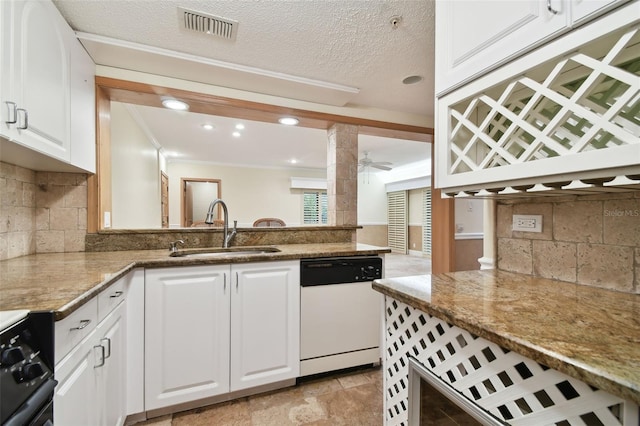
(91, 380)
(213, 329)
(265, 324)
(186, 334)
(91, 360)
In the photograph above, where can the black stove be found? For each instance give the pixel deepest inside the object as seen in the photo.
(26, 371)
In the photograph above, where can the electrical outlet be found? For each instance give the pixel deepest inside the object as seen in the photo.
(527, 222)
(107, 219)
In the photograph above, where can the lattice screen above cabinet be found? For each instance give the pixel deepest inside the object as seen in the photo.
(587, 100)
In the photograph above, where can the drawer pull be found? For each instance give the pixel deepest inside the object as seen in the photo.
(106, 339)
(550, 8)
(102, 359)
(13, 114)
(83, 324)
(117, 294)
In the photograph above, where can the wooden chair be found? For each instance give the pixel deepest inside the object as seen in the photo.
(268, 222)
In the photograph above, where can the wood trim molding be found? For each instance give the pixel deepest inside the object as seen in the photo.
(443, 254)
(151, 95)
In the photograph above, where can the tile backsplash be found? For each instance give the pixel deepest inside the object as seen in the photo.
(41, 212)
(592, 240)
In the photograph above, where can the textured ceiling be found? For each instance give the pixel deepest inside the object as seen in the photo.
(343, 42)
(351, 43)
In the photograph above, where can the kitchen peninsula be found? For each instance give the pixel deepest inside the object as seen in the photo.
(567, 330)
(61, 282)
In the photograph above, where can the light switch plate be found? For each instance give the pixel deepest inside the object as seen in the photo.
(527, 222)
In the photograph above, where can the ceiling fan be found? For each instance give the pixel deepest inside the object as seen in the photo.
(366, 163)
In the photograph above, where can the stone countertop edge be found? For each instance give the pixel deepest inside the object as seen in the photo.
(617, 372)
(63, 282)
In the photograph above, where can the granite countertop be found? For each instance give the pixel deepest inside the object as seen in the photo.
(588, 333)
(62, 282)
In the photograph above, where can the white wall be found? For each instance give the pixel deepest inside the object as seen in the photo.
(372, 200)
(249, 193)
(135, 173)
(468, 215)
(415, 207)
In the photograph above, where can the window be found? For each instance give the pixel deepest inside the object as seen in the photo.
(397, 217)
(426, 221)
(315, 207)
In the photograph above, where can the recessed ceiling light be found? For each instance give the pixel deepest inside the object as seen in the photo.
(207, 126)
(240, 126)
(289, 121)
(412, 79)
(174, 104)
(236, 134)
(293, 161)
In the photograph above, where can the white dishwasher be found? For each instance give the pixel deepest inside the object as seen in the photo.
(340, 314)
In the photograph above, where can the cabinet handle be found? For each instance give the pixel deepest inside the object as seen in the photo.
(237, 282)
(106, 339)
(25, 126)
(117, 294)
(225, 283)
(83, 324)
(102, 356)
(550, 8)
(12, 114)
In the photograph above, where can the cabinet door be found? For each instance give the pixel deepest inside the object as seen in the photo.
(39, 78)
(583, 10)
(82, 109)
(186, 335)
(475, 36)
(111, 377)
(265, 323)
(76, 398)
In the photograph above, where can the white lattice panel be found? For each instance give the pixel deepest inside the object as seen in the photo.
(569, 107)
(511, 387)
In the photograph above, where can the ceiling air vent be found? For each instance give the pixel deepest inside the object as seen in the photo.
(208, 24)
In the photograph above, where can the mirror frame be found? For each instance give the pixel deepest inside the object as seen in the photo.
(108, 89)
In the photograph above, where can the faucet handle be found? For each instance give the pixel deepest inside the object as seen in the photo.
(235, 224)
(173, 245)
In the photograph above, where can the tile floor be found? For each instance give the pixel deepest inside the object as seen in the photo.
(343, 398)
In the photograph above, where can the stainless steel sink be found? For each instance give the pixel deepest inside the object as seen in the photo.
(225, 252)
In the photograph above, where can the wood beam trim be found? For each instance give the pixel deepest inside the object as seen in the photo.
(150, 95)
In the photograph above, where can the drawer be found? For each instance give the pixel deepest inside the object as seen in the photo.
(111, 297)
(71, 330)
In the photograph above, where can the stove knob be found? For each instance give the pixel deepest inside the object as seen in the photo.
(32, 371)
(12, 356)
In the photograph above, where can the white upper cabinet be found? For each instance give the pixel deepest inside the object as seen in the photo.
(562, 117)
(47, 86)
(473, 37)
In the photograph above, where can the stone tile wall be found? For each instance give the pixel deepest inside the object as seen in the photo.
(592, 240)
(342, 175)
(41, 212)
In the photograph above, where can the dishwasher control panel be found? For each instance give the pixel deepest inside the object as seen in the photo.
(337, 270)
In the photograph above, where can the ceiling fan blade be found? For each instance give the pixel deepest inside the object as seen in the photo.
(381, 167)
(382, 163)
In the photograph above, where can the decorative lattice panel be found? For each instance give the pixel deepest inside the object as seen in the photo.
(511, 387)
(588, 100)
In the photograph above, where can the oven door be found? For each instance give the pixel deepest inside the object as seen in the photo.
(37, 410)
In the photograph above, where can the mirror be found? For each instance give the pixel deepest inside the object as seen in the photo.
(139, 155)
(197, 194)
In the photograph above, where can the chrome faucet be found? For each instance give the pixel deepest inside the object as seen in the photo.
(227, 236)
